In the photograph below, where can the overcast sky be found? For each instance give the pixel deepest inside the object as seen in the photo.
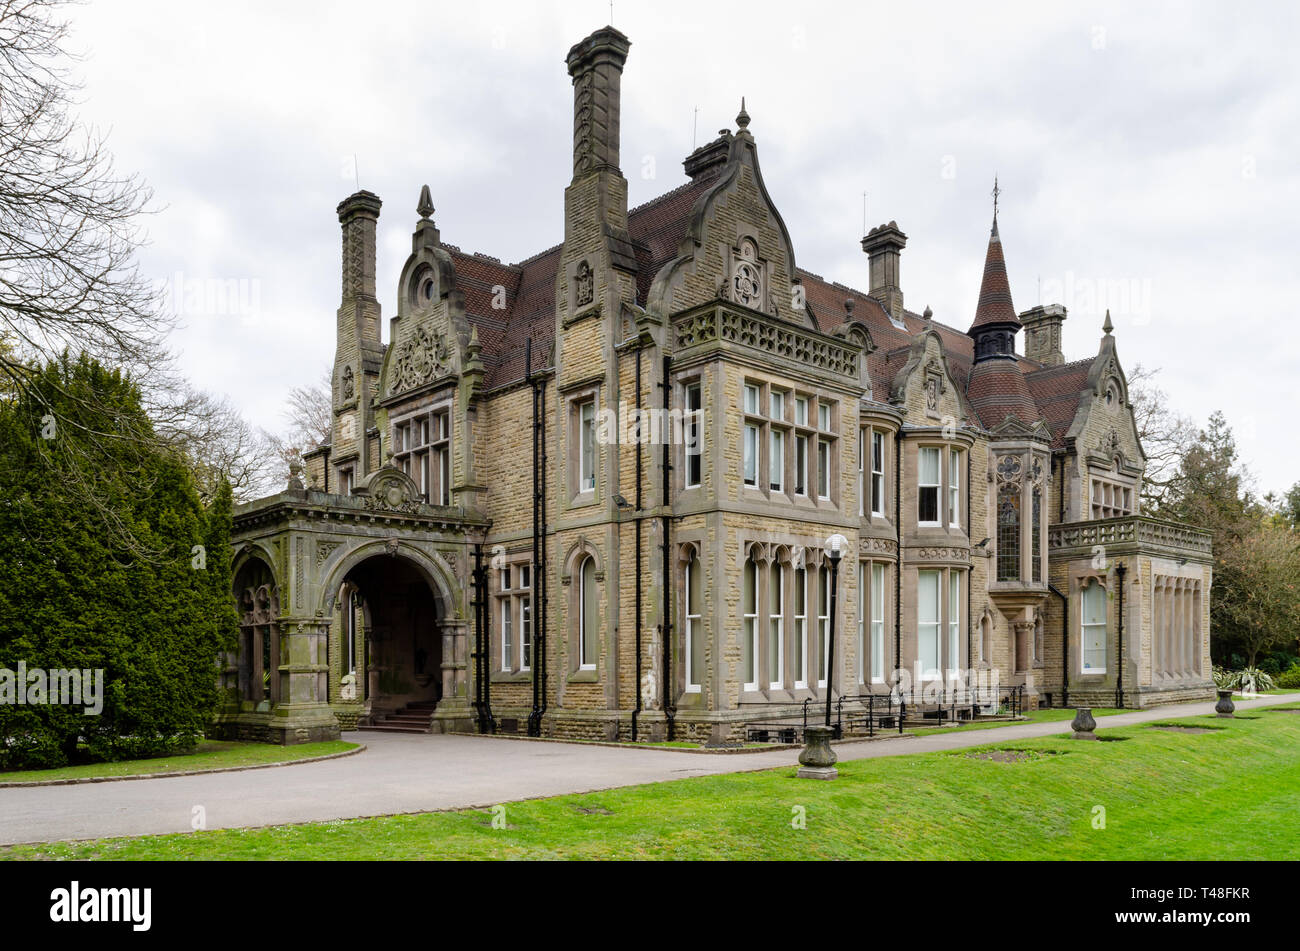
(1147, 156)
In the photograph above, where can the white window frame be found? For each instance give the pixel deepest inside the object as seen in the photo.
(776, 460)
(776, 625)
(877, 474)
(862, 621)
(693, 431)
(750, 628)
(954, 624)
(877, 622)
(823, 468)
(800, 672)
(824, 625)
(693, 684)
(954, 488)
(751, 454)
(585, 663)
(1088, 630)
(929, 623)
(587, 451)
(936, 486)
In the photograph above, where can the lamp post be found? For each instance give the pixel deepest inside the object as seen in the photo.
(817, 760)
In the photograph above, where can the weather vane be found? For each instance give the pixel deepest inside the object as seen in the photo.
(995, 193)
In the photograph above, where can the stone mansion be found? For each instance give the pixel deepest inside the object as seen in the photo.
(477, 547)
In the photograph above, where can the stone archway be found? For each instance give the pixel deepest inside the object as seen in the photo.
(399, 663)
(408, 634)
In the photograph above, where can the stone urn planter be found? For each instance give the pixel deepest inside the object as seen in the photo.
(1083, 724)
(817, 759)
(1225, 707)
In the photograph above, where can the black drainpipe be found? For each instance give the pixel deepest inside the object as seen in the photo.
(1120, 571)
(482, 625)
(898, 564)
(666, 628)
(1065, 643)
(636, 710)
(539, 546)
(535, 715)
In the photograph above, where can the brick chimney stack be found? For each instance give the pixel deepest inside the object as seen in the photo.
(884, 245)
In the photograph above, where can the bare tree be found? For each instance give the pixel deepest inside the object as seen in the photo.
(69, 222)
(310, 420)
(218, 443)
(1166, 437)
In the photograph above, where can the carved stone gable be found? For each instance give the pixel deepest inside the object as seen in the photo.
(421, 358)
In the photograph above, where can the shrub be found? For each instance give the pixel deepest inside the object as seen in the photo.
(1290, 679)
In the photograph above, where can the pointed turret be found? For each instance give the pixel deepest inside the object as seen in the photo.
(994, 307)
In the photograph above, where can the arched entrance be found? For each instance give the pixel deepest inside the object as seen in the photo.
(257, 658)
(392, 639)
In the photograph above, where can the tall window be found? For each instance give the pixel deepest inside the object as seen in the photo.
(1036, 539)
(862, 622)
(877, 473)
(776, 461)
(587, 446)
(751, 454)
(692, 430)
(694, 633)
(928, 460)
(927, 622)
(823, 626)
(800, 627)
(588, 615)
(862, 487)
(954, 623)
(776, 627)
(1009, 533)
(1092, 616)
(801, 459)
(954, 488)
(823, 468)
(877, 622)
(422, 449)
(749, 635)
(515, 616)
(506, 614)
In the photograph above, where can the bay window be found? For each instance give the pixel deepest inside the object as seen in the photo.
(928, 479)
(1092, 618)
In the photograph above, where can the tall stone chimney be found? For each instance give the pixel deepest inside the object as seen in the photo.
(359, 216)
(358, 354)
(1043, 333)
(883, 245)
(596, 65)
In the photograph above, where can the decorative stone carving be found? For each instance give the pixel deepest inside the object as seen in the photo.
(324, 550)
(584, 283)
(747, 276)
(391, 490)
(349, 387)
(1008, 471)
(421, 358)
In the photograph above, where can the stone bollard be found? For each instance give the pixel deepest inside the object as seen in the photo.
(817, 759)
(1225, 707)
(1083, 724)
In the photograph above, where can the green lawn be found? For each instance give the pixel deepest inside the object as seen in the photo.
(1230, 792)
(210, 754)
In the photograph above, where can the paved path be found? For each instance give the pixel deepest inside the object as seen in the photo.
(422, 773)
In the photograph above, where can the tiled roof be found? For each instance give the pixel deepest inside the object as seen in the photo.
(995, 305)
(994, 389)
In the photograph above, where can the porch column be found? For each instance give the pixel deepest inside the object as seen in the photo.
(302, 714)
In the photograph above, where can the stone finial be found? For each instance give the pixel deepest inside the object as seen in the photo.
(295, 471)
(742, 117)
(425, 208)
(1107, 326)
(928, 314)
(848, 307)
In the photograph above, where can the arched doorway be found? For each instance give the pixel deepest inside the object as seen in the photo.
(396, 637)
